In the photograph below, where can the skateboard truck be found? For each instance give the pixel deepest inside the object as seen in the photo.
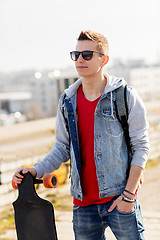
(49, 181)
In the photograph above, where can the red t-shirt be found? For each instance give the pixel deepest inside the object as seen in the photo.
(89, 183)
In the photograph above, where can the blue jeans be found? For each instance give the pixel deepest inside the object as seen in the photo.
(90, 222)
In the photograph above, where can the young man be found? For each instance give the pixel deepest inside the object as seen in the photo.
(89, 133)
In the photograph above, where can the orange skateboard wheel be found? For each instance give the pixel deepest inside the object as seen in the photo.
(50, 181)
(14, 185)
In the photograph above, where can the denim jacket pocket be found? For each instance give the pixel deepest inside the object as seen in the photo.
(111, 123)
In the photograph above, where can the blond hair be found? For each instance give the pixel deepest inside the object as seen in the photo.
(102, 43)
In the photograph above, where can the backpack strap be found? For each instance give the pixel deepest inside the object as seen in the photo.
(121, 102)
(122, 115)
(122, 112)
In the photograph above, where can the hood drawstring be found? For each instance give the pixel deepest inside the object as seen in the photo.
(112, 114)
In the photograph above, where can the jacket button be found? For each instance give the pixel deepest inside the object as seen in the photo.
(98, 135)
(99, 155)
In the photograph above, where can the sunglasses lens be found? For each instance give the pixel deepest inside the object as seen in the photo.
(87, 55)
(74, 55)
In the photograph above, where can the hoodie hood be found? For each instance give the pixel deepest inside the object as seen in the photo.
(112, 84)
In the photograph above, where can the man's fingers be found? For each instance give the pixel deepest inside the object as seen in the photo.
(114, 204)
(18, 175)
(17, 180)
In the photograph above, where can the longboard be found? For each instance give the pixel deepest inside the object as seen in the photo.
(34, 216)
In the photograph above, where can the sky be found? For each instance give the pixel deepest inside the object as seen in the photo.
(40, 34)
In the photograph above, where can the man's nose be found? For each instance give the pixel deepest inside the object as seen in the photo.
(80, 58)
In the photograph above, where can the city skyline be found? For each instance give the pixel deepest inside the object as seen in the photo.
(40, 34)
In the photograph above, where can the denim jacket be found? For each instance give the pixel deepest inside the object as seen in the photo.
(110, 149)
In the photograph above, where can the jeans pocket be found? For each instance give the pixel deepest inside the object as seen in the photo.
(125, 213)
(75, 207)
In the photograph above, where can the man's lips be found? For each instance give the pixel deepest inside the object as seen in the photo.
(82, 67)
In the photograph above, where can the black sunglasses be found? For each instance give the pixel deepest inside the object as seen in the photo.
(87, 55)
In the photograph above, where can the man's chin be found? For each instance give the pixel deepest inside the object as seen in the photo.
(83, 74)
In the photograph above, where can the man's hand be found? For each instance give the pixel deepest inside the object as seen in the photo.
(122, 206)
(17, 177)
(134, 176)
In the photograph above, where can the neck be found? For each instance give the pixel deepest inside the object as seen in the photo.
(93, 86)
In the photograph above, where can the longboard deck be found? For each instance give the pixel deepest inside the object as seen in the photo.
(34, 216)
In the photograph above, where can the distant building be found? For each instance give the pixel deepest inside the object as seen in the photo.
(15, 102)
(46, 89)
(147, 82)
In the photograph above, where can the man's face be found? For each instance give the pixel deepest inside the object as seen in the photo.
(91, 67)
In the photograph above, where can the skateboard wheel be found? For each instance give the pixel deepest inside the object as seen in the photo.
(14, 185)
(50, 181)
(62, 173)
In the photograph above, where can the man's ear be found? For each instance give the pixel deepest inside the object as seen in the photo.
(105, 60)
